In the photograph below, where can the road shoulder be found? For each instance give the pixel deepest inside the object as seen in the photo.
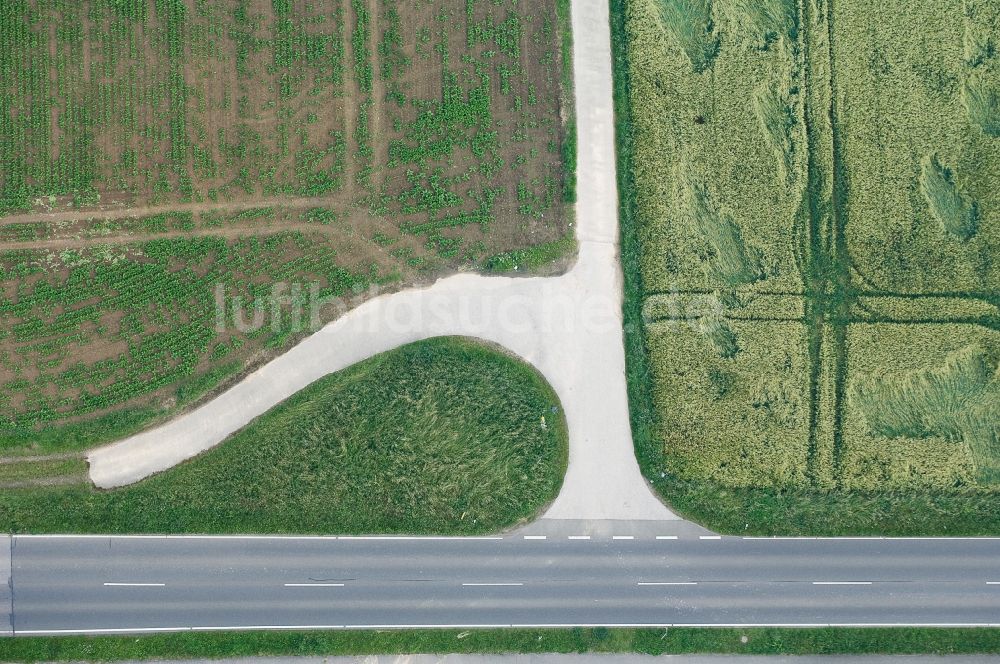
(6, 588)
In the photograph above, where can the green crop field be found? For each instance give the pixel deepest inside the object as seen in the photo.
(812, 231)
(441, 436)
(164, 164)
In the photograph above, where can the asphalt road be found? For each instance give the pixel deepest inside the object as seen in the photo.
(110, 584)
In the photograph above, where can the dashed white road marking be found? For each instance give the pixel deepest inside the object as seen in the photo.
(666, 537)
(622, 537)
(842, 583)
(120, 584)
(993, 583)
(668, 583)
(579, 537)
(492, 584)
(314, 585)
(710, 537)
(535, 537)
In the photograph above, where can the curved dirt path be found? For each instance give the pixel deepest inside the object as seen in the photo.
(569, 327)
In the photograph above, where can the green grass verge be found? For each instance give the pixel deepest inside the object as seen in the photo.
(770, 511)
(647, 641)
(441, 436)
(637, 372)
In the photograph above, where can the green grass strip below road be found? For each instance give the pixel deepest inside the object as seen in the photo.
(854, 641)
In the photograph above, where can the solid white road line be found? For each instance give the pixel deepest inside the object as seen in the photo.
(314, 585)
(842, 583)
(268, 537)
(911, 539)
(134, 585)
(410, 538)
(223, 628)
(876, 539)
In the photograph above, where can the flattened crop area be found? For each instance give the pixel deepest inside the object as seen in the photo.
(181, 181)
(816, 199)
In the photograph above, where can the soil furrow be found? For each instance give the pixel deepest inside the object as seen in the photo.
(227, 232)
(150, 210)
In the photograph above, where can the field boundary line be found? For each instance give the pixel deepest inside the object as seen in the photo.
(112, 213)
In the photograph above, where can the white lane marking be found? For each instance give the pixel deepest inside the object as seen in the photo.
(906, 539)
(134, 585)
(842, 583)
(579, 537)
(407, 537)
(232, 537)
(993, 583)
(710, 537)
(492, 584)
(314, 585)
(622, 537)
(668, 583)
(910, 539)
(245, 628)
(666, 537)
(535, 537)
(349, 538)
(317, 538)
(878, 539)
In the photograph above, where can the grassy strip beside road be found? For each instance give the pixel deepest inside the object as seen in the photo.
(648, 641)
(441, 436)
(801, 512)
(642, 412)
